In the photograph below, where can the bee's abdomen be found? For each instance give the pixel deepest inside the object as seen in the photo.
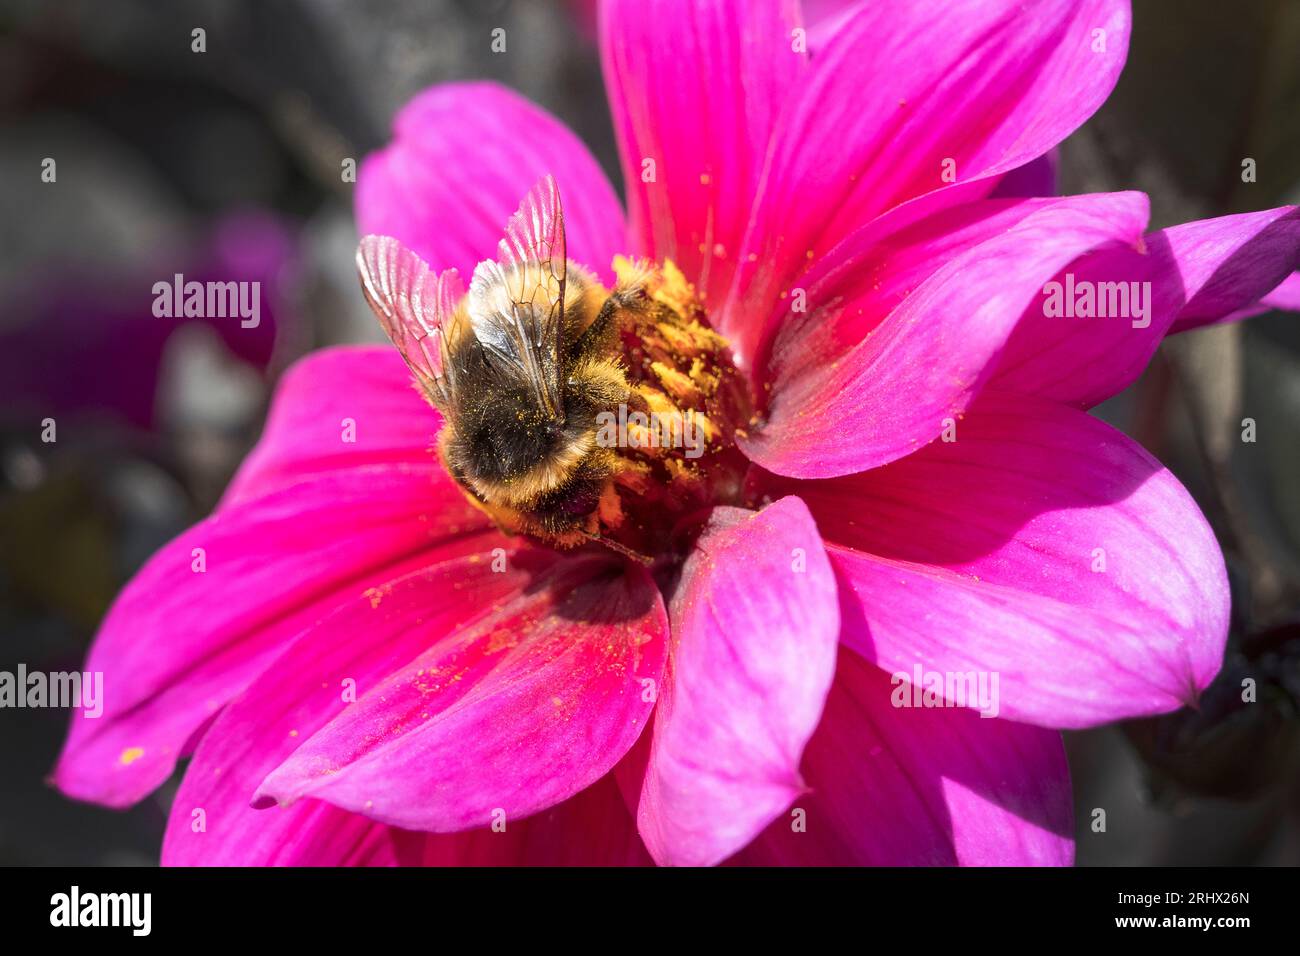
(512, 452)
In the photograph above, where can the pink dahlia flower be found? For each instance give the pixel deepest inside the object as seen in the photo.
(366, 671)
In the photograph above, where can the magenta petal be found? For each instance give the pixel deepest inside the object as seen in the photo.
(845, 295)
(591, 828)
(1042, 546)
(825, 18)
(1198, 272)
(513, 713)
(924, 361)
(462, 157)
(1036, 178)
(179, 642)
(895, 786)
(338, 408)
(1229, 263)
(311, 833)
(755, 621)
(903, 101)
(1285, 298)
(701, 109)
(299, 693)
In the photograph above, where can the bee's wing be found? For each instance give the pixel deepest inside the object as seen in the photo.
(415, 307)
(518, 313)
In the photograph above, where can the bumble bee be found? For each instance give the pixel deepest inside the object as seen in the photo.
(520, 366)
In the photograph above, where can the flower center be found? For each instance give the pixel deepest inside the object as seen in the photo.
(675, 436)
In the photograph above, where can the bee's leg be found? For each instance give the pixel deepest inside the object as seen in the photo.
(627, 552)
(584, 295)
(602, 382)
(599, 336)
(627, 301)
(506, 521)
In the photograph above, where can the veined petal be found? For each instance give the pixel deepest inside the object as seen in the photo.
(591, 828)
(341, 407)
(849, 292)
(1041, 546)
(904, 101)
(462, 157)
(210, 610)
(695, 89)
(905, 786)
(755, 621)
(825, 18)
(308, 685)
(928, 357)
(311, 833)
(513, 713)
(1182, 277)
(1036, 178)
(1285, 298)
(1228, 263)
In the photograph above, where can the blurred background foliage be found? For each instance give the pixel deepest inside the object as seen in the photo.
(228, 163)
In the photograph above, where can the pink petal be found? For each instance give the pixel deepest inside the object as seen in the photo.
(1228, 263)
(923, 361)
(899, 90)
(880, 265)
(702, 108)
(893, 786)
(982, 555)
(825, 18)
(1036, 178)
(1199, 272)
(340, 407)
(463, 156)
(592, 828)
(1285, 298)
(177, 644)
(755, 621)
(301, 691)
(311, 833)
(516, 712)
